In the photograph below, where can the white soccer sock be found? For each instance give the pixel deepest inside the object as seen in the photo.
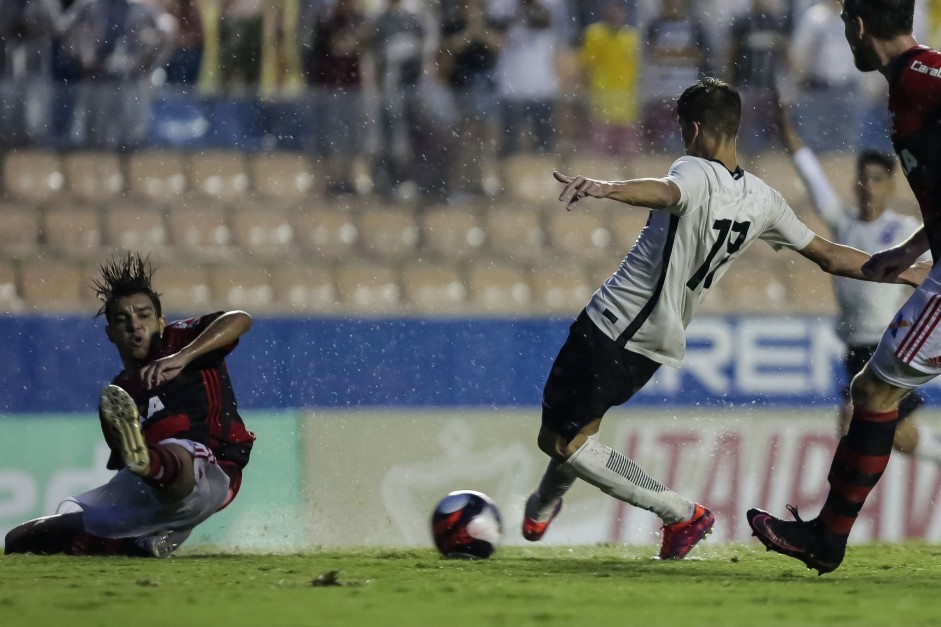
(929, 445)
(555, 482)
(620, 477)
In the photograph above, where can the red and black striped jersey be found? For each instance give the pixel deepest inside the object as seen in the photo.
(915, 106)
(198, 404)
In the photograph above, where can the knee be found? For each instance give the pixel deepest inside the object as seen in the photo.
(872, 394)
(551, 444)
(185, 479)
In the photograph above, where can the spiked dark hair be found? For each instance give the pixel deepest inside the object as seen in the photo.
(121, 276)
(713, 103)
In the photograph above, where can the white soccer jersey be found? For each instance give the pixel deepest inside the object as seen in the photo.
(865, 308)
(683, 250)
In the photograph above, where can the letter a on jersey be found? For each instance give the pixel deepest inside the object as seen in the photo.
(153, 406)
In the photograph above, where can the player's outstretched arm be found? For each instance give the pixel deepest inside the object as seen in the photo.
(220, 333)
(849, 262)
(650, 193)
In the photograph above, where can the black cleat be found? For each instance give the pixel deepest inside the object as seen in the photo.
(804, 540)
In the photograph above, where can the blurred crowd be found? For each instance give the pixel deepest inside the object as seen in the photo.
(423, 96)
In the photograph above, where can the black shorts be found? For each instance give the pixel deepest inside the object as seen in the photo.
(856, 358)
(590, 375)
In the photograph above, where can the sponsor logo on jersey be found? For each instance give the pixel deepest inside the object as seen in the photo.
(934, 361)
(921, 68)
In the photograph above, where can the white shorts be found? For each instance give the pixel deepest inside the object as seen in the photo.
(909, 353)
(128, 507)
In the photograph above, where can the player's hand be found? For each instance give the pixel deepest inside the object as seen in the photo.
(158, 372)
(578, 187)
(888, 265)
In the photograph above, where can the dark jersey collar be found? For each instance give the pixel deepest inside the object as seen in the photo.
(735, 174)
(899, 63)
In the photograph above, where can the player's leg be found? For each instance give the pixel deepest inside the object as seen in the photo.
(902, 362)
(590, 375)
(918, 440)
(65, 533)
(48, 535)
(910, 439)
(854, 360)
(859, 461)
(167, 467)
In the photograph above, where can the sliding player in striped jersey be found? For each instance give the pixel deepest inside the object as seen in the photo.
(879, 33)
(704, 214)
(171, 422)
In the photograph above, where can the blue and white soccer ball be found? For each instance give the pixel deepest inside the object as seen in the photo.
(466, 524)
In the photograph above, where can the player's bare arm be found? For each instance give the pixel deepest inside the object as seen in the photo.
(891, 261)
(650, 193)
(848, 261)
(224, 330)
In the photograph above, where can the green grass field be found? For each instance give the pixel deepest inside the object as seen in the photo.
(609, 585)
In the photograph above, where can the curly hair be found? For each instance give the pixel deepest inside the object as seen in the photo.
(121, 276)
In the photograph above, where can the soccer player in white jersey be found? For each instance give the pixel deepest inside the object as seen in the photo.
(864, 308)
(703, 215)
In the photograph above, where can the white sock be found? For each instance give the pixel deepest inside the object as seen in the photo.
(929, 445)
(620, 477)
(555, 482)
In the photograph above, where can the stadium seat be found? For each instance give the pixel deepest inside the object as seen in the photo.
(135, 227)
(654, 165)
(158, 174)
(810, 290)
(326, 231)
(813, 221)
(452, 233)
(433, 287)
(605, 167)
(74, 231)
(10, 300)
(19, 230)
(56, 286)
(283, 175)
(184, 288)
(219, 174)
(777, 170)
(840, 168)
(389, 232)
(625, 226)
(528, 178)
(563, 290)
(497, 287)
(262, 232)
(368, 288)
(200, 232)
(750, 288)
(514, 231)
(904, 200)
(242, 287)
(94, 175)
(304, 288)
(33, 175)
(582, 234)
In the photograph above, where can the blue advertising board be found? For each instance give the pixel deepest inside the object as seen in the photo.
(59, 363)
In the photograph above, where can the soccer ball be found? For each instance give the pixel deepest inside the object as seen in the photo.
(466, 524)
